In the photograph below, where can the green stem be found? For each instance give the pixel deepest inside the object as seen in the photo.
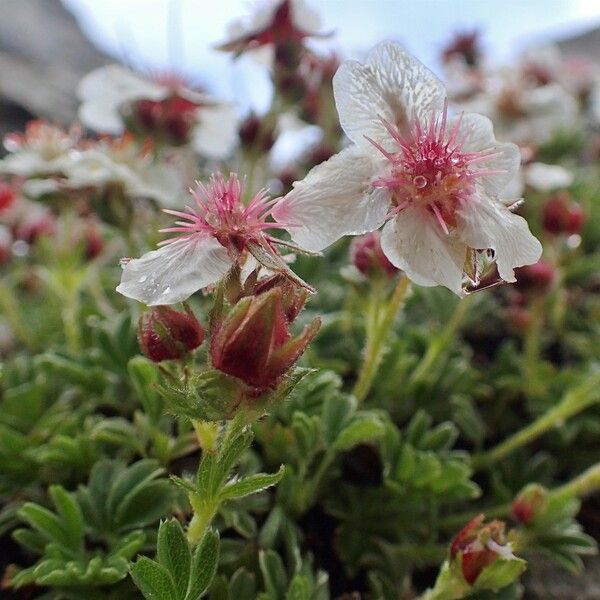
(204, 513)
(379, 325)
(574, 401)
(441, 342)
(531, 350)
(583, 485)
(10, 308)
(70, 318)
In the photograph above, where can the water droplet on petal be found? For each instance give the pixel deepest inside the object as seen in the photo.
(142, 278)
(419, 181)
(167, 290)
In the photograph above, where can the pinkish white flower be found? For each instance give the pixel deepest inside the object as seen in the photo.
(435, 180)
(111, 95)
(272, 22)
(524, 107)
(122, 162)
(210, 238)
(42, 150)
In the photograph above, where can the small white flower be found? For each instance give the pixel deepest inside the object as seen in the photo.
(523, 111)
(219, 232)
(121, 162)
(163, 107)
(272, 22)
(41, 151)
(435, 180)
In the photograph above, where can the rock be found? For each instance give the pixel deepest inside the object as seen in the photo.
(43, 55)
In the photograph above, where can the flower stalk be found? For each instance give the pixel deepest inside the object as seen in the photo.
(380, 317)
(575, 401)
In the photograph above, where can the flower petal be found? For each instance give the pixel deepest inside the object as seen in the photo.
(216, 134)
(174, 272)
(478, 133)
(489, 224)
(545, 178)
(335, 199)
(104, 90)
(392, 85)
(415, 243)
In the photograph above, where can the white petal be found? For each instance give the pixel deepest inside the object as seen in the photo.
(478, 132)
(106, 89)
(414, 242)
(305, 18)
(160, 182)
(101, 116)
(392, 85)
(488, 224)
(216, 134)
(545, 178)
(335, 199)
(175, 271)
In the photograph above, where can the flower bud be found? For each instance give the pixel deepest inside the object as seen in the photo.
(254, 344)
(562, 215)
(254, 133)
(478, 545)
(36, 225)
(535, 278)
(368, 257)
(5, 244)
(530, 503)
(167, 334)
(7, 196)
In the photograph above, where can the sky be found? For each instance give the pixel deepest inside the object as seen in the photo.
(161, 34)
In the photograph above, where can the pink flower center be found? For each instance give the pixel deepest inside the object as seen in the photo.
(221, 212)
(430, 169)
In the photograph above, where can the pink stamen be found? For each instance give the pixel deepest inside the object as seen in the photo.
(430, 169)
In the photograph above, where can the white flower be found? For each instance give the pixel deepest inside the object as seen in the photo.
(164, 108)
(435, 180)
(219, 232)
(523, 111)
(272, 22)
(121, 162)
(42, 150)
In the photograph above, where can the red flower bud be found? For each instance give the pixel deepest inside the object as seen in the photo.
(166, 334)
(478, 545)
(7, 196)
(530, 503)
(535, 278)
(5, 244)
(254, 133)
(36, 225)
(562, 215)
(368, 257)
(253, 342)
(464, 45)
(94, 243)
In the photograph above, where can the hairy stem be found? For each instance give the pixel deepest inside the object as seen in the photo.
(574, 401)
(441, 342)
(380, 317)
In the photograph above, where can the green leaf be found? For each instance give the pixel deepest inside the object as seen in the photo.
(242, 585)
(153, 580)
(336, 412)
(144, 376)
(273, 572)
(71, 513)
(251, 485)
(362, 429)
(46, 522)
(173, 553)
(500, 573)
(204, 565)
(299, 589)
